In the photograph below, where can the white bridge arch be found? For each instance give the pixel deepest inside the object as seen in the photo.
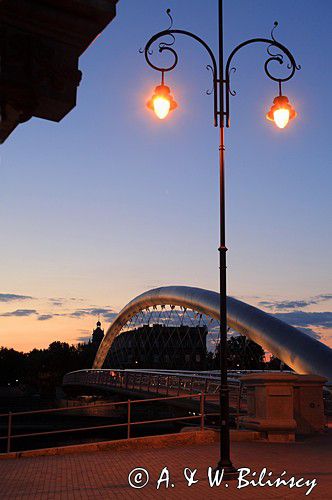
(298, 350)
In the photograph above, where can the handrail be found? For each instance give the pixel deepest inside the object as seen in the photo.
(150, 381)
(166, 373)
(69, 408)
(201, 398)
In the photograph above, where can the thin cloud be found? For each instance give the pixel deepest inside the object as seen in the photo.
(311, 333)
(306, 319)
(107, 313)
(85, 335)
(294, 304)
(287, 304)
(56, 302)
(60, 301)
(9, 297)
(45, 317)
(84, 339)
(20, 313)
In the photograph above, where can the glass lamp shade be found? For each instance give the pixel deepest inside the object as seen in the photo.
(281, 111)
(162, 102)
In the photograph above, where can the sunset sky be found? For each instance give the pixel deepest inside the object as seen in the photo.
(111, 201)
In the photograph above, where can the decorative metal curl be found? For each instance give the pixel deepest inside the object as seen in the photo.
(168, 12)
(141, 51)
(292, 66)
(279, 58)
(218, 80)
(278, 55)
(297, 66)
(163, 46)
(266, 68)
(167, 46)
(275, 25)
(211, 90)
(230, 91)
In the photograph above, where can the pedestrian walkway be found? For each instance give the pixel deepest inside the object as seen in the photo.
(105, 474)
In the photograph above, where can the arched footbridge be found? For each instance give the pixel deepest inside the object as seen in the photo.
(304, 354)
(298, 350)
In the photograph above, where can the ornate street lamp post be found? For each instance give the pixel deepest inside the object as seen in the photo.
(281, 112)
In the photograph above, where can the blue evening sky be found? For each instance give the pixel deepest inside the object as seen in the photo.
(111, 201)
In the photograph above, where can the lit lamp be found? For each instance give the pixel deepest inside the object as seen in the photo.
(162, 102)
(281, 111)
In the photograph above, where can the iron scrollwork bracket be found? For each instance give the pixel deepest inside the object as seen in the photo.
(221, 79)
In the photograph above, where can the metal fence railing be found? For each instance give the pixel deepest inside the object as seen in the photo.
(159, 382)
(200, 417)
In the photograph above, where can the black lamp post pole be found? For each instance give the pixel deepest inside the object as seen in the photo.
(225, 458)
(221, 113)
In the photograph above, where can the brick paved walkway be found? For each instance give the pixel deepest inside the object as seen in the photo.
(105, 474)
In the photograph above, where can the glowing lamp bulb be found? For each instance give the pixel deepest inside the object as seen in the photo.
(281, 111)
(161, 107)
(162, 102)
(281, 117)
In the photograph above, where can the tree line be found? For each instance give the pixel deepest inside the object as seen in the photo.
(42, 370)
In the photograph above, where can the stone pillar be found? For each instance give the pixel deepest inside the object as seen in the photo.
(308, 403)
(270, 398)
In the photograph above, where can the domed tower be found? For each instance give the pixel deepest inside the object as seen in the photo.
(97, 334)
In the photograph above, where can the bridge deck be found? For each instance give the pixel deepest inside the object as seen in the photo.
(146, 383)
(104, 474)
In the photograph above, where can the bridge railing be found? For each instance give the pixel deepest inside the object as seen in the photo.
(168, 383)
(199, 416)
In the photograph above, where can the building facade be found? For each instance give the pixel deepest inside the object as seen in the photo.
(160, 347)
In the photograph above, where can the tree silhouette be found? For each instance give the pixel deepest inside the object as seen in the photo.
(43, 369)
(242, 354)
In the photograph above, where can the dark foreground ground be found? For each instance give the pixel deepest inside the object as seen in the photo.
(105, 474)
